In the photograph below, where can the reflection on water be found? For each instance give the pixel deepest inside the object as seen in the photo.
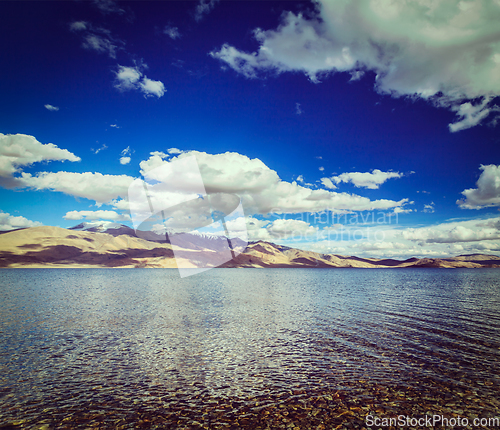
(247, 348)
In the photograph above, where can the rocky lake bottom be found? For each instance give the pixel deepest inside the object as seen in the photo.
(249, 348)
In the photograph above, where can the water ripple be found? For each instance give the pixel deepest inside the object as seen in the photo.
(144, 348)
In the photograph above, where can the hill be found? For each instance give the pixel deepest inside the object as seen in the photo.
(120, 246)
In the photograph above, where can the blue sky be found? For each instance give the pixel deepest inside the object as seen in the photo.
(370, 107)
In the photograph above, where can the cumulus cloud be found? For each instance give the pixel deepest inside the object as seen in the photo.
(125, 160)
(279, 229)
(328, 183)
(174, 151)
(11, 222)
(248, 228)
(152, 88)
(487, 193)
(172, 32)
(400, 210)
(96, 215)
(371, 180)
(260, 187)
(387, 240)
(444, 52)
(288, 228)
(459, 231)
(127, 78)
(20, 150)
(246, 223)
(93, 186)
(51, 108)
(203, 8)
(132, 78)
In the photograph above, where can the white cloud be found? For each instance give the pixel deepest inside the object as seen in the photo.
(246, 224)
(390, 241)
(203, 8)
(96, 215)
(400, 210)
(100, 44)
(10, 222)
(172, 32)
(283, 197)
(108, 6)
(459, 231)
(298, 109)
(19, 150)
(440, 51)
(152, 88)
(97, 39)
(260, 187)
(93, 186)
(321, 169)
(51, 108)
(229, 172)
(333, 227)
(279, 229)
(174, 151)
(429, 208)
(487, 193)
(114, 125)
(102, 148)
(371, 180)
(300, 178)
(127, 78)
(288, 228)
(328, 183)
(125, 159)
(131, 78)
(78, 26)
(470, 115)
(356, 75)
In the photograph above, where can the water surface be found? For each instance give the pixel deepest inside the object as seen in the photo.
(246, 348)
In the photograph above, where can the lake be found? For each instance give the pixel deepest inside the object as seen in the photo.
(247, 348)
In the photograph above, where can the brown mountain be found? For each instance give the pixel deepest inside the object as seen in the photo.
(123, 247)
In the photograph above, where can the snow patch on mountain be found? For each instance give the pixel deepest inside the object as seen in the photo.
(100, 226)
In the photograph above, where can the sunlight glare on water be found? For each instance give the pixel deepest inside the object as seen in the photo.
(257, 347)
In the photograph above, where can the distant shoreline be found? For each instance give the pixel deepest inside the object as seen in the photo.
(58, 248)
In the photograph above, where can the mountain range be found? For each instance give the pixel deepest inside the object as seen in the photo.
(99, 245)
